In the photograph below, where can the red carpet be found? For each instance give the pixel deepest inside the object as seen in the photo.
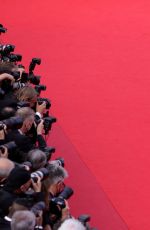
(96, 64)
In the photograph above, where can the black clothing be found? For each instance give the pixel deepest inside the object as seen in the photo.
(17, 177)
(7, 198)
(24, 145)
(5, 224)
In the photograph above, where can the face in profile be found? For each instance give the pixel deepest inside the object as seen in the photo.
(28, 124)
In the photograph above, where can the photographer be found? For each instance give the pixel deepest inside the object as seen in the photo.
(18, 205)
(52, 186)
(24, 142)
(31, 181)
(17, 184)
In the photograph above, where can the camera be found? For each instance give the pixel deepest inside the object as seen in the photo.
(33, 79)
(39, 88)
(49, 151)
(33, 63)
(6, 49)
(64, 195)
(48, 121)
(16, 75)
(58, 203)
(11, 123)
(11, 147)
(47, 101)
(22, 104)
(13, 57)
(60, 161)
(2, 29)
(43, 173)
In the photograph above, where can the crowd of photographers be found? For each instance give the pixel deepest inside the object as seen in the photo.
(33, 194)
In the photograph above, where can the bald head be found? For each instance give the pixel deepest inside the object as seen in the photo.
(5, 167)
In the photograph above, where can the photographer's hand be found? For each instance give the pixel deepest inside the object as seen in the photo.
(2, 134)
(40, 128)
(41, 108)
(37, 185)
(4, 153)
(65, 212)
(21, 70)
(39, 218)
(7, 76)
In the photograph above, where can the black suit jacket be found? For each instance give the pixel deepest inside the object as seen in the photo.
(4, 224)
(24, 145)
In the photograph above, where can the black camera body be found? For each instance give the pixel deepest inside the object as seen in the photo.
(2, 29)
(33, 63)
(6, 49)
(33, 79)
(60, 161)
(14, 57)
(49, 151)
(46, 100)
(39, 88)
(48, 121)
(60, 200)
(58, 203)
(16, 75)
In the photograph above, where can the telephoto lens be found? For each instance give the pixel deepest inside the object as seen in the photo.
(2, 29)
(49, 151)
(11, 147)
(11, 123)
(66, 193)
(14, 57)
(33, 79)
(48, 121)
(60, 200)
(40, 88)
(33, 63)
(43, 173)
(6, 49)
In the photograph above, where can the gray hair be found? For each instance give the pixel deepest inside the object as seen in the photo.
(25, 112)
(23, 220)
(5, 167)
(56, 173)
(71, 224)
(37, 158)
